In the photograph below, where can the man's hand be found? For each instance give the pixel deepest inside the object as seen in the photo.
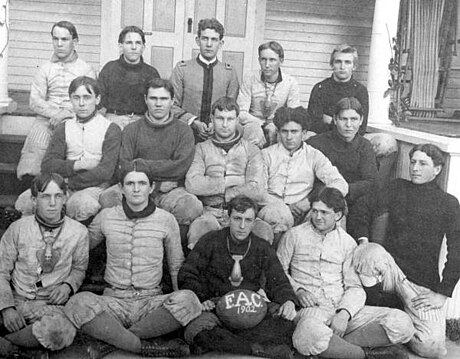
(287, 310)
(62, 115)
(85, 164)
(339, 323)
(59, 295)
(204, 131)
(208, 305)
(429, 300)
(327, 119)
(12, 320)
(306, 298)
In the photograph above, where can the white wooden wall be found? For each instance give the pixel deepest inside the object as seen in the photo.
(308, 30)
(30, 40)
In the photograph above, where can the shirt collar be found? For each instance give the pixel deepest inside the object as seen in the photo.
(206, 62)
(278, 80)
(71, 58)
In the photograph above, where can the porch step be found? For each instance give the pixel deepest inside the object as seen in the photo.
(10, 148)
(10, 152)
(7, 200)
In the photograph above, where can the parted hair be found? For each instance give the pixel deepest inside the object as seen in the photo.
(213, 24)
(66, 25)
(225, 104)
(158, 84)
(242, 204)
(42, 181)
(348, 103)
(332, 198)
(286, 114)
(128, 29)
(344, 49)
(89, 83)
(274, 46)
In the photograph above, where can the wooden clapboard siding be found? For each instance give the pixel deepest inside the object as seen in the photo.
(308, 30)
(30, 39)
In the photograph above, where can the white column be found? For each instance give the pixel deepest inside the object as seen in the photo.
(384, 29)
(6, 103)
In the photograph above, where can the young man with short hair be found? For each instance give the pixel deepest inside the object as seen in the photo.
(84, 150)
(325, 94)
(43, 262)
(139, 236)
(263, 92)
(333, 322)
(49, 97)
(122, 81)
(199, 82)
(352, 154)
(210, 272)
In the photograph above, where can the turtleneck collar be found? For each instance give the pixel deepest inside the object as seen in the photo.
(129, 65)
(227, 145)
(341, 83)
(155, 123)
(50, 226)
(86, 119)
(147, 211)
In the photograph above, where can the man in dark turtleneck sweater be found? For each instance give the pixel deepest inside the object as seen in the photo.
(122, 81)
(43, 263)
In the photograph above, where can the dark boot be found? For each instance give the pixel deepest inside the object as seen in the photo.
(274, 351)
(98, 349)
(174, 348)
(389, 352)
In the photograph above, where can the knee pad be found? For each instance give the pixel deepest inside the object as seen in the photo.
(263, 230)
(199, 227)
(184, 305)
(278, 215)
(81, 207)
(311, 336)
(54, 331)
(398, 326)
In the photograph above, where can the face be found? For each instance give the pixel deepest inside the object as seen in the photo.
(84, 103)
(132, 47)
(270, 64)
(209, 43)
(159, 103)
(323, 217)
(49, 203)
(291, 136)
(224, 124)
(342, 66)
(137, 189)
(422, 169)
(63, 44)
(347, 123)
(241, 224)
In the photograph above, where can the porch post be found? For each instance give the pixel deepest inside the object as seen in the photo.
(384, 29)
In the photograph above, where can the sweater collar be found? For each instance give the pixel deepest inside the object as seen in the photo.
(227, 145)
(131, 66)
(147, 211)
(50, 226)
(71, 58)
(84, 120)
(155, 123)
(338, 83)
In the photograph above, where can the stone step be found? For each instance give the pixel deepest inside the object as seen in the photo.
(16, 124)
(10, 147)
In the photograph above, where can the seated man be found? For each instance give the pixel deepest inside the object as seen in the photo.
(352, 154)
(263, 92)
(84, 150)
(291, 168)
(411, 219)
(122, 81)
(49, 95)
(163, 147)
(139, 236)
(225, 166)
(210, 271)
(43, 262)
(334, 323)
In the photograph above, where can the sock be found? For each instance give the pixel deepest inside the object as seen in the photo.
(371, 335)
(108, 329)
(6, 347)
(222, 340)
(340, 348)
(156, 323)
(24, 338)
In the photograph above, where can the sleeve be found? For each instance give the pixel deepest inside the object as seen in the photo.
(103, 84)
(364, 100)
(285, 252)
(173, 169)
(244, 101)
(173, 250)
(451, 272)
(327, 173)
(278, 286)
(233, 85)
(196, 180)
(55, 156)
(293, 99)
(354, 295)
(8, 255)
(177, 80)
(104, 171)
(96, 235)
(38, 95)
(316, 111)
(367, 172)
(191, 274)
(79, 262)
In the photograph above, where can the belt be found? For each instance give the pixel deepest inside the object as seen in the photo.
(124, 113)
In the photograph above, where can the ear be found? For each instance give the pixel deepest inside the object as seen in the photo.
(152, 187)
(304, 135)
(98, 99)
(197, 40)
(221, 43)
(338, 216)
(437, 170)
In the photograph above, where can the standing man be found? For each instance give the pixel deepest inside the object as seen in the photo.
(199, 82)
(210, 272)
(325, 94)
(43, 263)
(139, 236)
(84, 150)
(334, 323)
(49, 97)
(263, 92)
(122, 81)
(353, 156)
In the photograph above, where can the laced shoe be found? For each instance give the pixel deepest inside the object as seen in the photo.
(389, 352)
(174, 348)
(274, 351)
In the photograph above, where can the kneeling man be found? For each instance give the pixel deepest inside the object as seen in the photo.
(43, 262)
(334, 323)
(138, 237)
